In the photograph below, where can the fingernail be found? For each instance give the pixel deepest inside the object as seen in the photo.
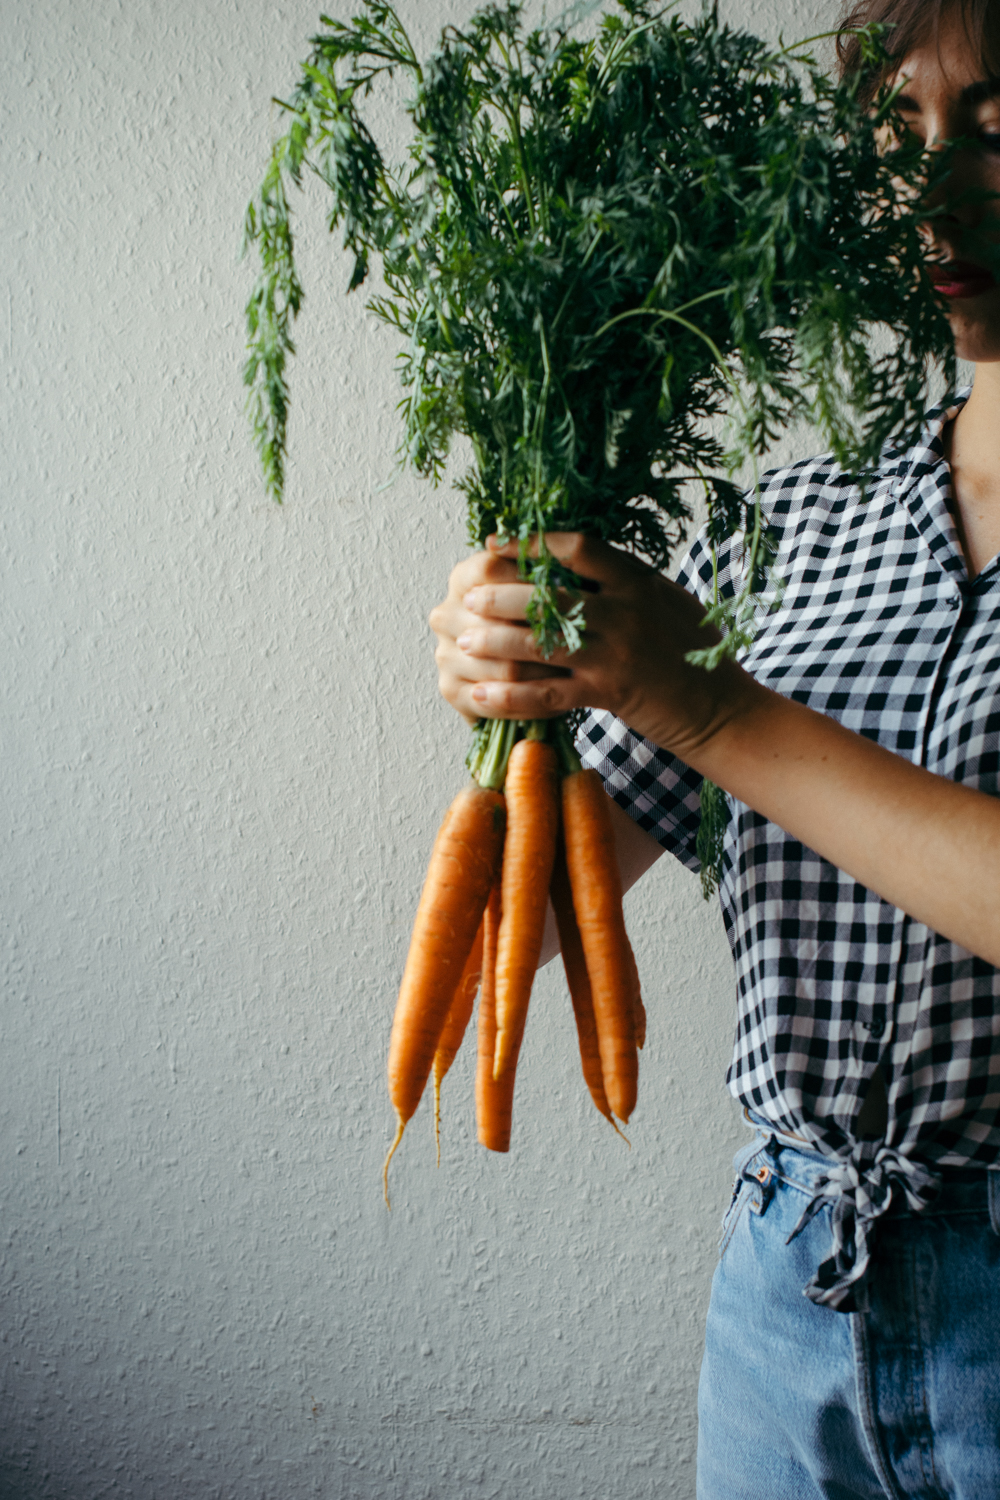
(480, 693)
(464, 642)
(470, 600)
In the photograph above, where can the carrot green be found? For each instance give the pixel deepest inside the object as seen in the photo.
(593, 250)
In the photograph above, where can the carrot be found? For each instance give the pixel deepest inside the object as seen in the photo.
(494, 1100)
(532, 791)
(455, 1024)
(597, 901)
(460, 875)
(578, 980)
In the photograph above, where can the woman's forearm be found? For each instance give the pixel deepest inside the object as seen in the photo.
(922, 842)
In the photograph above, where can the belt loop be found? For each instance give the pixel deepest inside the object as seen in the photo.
(993, 1196)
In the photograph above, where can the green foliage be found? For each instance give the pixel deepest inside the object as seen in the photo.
(592, 250)
(711, 836)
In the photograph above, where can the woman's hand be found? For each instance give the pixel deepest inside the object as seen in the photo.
(459, 671)
(922, 842)
(639, 628)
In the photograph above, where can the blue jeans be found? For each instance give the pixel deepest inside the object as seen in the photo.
(901, 1401)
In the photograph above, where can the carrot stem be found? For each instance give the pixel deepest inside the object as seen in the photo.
(500, 739)
(560, 737)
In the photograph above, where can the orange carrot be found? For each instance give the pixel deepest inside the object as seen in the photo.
(597, 901)
(494, 1100)
(532, 791)
(578, 980)
(454, 1027)
(460, 875)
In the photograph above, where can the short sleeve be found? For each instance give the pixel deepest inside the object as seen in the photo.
(657, 790)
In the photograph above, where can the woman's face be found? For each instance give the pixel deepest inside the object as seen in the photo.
(945, 95)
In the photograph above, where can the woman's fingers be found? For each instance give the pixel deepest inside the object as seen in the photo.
(639, 629)
(488, 661)
(525, 700)
(450, 617)
(458, 628)
(508, 642)
(460, 692)
(501, 601)
(586, 556)
(504, 658)
(466, 668)
(481, 567)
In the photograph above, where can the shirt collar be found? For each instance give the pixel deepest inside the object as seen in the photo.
(923, 484)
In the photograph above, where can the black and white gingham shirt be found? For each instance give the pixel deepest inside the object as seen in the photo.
(882, 629)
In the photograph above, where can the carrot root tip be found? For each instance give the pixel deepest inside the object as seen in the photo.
(392, 1151)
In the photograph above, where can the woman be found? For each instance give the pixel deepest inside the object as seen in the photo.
(859, 743)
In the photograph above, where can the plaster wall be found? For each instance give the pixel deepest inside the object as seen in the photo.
(223, 761)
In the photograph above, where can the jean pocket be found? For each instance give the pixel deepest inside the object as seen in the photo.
(741, 1194)
(743, 1185)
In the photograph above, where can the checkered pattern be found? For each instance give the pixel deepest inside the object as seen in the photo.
(881, 629)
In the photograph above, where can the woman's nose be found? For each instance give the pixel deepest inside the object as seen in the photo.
(954, 191)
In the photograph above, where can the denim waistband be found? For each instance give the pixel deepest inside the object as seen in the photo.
(873, 1181)
(793, 1160)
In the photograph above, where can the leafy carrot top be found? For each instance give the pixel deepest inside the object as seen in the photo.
(591, 250)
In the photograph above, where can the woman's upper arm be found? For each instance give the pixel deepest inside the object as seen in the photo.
(637, 850)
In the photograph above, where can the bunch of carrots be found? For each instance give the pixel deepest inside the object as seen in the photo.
(591, 250)
(530, 826)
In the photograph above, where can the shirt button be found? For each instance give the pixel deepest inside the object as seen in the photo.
(877, 1028)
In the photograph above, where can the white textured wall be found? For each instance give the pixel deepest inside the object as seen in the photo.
(222, 765)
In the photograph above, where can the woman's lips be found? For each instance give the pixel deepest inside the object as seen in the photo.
(960, 278)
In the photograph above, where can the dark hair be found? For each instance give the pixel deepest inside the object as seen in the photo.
(910, 23)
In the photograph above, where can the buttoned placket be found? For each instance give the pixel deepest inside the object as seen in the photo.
(930, 519)
(880, 628)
